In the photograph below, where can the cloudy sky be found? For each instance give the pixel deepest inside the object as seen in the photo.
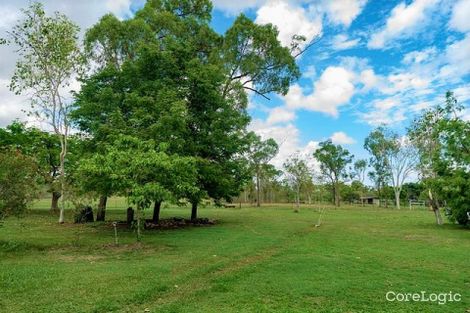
(374, 62)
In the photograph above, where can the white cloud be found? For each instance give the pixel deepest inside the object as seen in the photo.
(421, 106)
(416, 57)
(404, 20)
(290, 20)
(288, 139)
(342, 42)
(404, 81)
(369, 79)
(343, 12)
(280, 115)
(9, 16)
(119, 7)
(286, 136)
(462, 93)
(380, 117)
(457, 58)
(11, 106)
(334, 89)
(460, 16)
(340, 138)
(386, 104)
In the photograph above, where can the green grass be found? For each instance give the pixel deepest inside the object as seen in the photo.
(254, 260)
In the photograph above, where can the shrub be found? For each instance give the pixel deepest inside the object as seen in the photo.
(18, 183)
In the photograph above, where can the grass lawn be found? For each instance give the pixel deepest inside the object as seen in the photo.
(254, 260)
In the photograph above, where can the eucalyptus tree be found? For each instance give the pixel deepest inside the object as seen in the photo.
(441, 137)
(402, 159)
(378, 145)
(297, 174)
(359, 174)
(334, 161)
(49, 61)
(259, 154)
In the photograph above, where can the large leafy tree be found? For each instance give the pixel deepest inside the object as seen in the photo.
(49, 61)
(165, 75)
(334, 161)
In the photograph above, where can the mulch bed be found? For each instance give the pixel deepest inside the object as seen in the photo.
(172, 223)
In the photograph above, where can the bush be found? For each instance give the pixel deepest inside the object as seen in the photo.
(18, 183)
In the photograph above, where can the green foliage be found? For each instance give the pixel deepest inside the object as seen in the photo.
(49, 61)
(334, 161)
(378, 144)
(139, 170)
(255, 59)
(18, 182)
(442, 138)
(165, 75)
(42, 146)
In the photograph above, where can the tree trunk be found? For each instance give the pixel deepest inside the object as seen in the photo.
(156, 211)
(337, 200)
(435, 208)
(101, 214)
(397, 199)
(55, 201)
(258, 202)
(63, 152)
(138, 224)
(297, 204)
(193, 211)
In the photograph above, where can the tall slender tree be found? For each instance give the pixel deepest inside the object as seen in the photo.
(259, 155)
(49, 61)
(297, 173)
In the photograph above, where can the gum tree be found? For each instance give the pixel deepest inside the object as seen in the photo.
(334, 161)
(259, 154)
(49, 61)
(297, 174)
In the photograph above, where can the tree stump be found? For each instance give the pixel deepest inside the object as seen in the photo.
(130, 216)
(85, 215)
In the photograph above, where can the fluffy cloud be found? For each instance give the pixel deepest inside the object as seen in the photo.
(404, 20)
(417, 57)
(340, 138)
(280, 115)
(343, 12)
(333, 89)
(369, 79)
(342, 42)
(380, 117)
(287, 137)
(290, 20)
(460, 16)
(119, 7)
(458, 60)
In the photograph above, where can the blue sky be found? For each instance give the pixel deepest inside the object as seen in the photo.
(374, 62)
